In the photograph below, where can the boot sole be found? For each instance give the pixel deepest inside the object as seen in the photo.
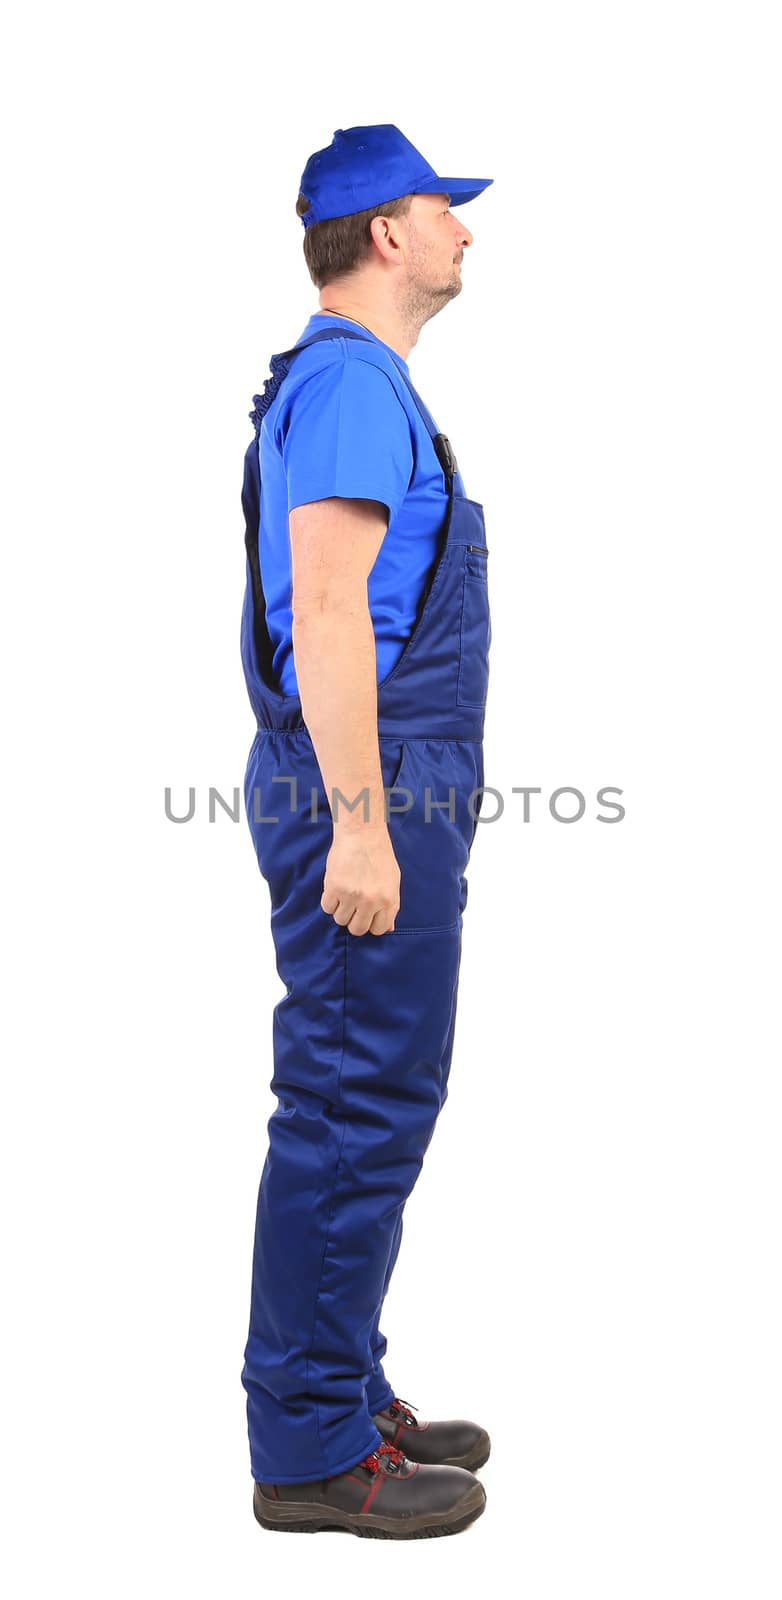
(288, 1516)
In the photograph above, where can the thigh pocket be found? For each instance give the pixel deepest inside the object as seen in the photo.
(429, 840)
(474, 634)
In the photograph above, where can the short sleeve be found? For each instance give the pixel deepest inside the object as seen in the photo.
(347, 433)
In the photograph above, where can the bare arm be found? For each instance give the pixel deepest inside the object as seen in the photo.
(334, 544)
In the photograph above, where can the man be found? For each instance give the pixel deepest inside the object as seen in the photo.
(365, 640)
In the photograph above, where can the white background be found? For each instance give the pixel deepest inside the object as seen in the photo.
(591, 1257)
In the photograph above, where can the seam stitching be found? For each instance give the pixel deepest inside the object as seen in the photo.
(333, 1198)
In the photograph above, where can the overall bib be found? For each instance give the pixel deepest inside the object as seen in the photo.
(363, 1037)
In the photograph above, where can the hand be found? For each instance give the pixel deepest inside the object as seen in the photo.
(361, 881)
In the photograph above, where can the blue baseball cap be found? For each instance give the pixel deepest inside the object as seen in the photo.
(365, 167)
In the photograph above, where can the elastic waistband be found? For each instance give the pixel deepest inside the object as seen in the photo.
(393, 731)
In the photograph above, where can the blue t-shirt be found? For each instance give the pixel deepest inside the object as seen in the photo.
(344, 423)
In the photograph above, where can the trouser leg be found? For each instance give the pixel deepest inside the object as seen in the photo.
(380, 1392)
(359, 1061)
(344, 1155)
(361, 1044)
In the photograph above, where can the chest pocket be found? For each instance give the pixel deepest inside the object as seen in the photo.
(474, 630)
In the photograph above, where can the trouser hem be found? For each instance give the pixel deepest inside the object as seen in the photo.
(345, 1465)
(386, 1399)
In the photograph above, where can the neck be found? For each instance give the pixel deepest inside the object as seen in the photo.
(383, 323)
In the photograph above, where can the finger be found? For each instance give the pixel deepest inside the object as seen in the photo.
(383, 922)
(338, 904)
(361, 922)
(345, 910)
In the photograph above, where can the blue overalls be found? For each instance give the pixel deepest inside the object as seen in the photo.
(362, 1038)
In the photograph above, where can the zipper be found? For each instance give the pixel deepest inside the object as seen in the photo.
(483, 548)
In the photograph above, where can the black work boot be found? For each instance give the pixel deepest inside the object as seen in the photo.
(447, 1444)
(384, 1497)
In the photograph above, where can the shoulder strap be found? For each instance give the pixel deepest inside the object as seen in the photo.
(280, 364)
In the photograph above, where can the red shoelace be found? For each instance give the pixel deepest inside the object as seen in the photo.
(394, 1458)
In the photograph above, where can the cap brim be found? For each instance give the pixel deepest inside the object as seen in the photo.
(460, 189)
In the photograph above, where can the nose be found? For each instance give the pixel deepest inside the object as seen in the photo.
(463, 235)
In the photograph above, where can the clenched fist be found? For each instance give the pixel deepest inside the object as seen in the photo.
(361, 880)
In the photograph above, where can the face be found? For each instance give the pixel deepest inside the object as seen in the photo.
(436, 241)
